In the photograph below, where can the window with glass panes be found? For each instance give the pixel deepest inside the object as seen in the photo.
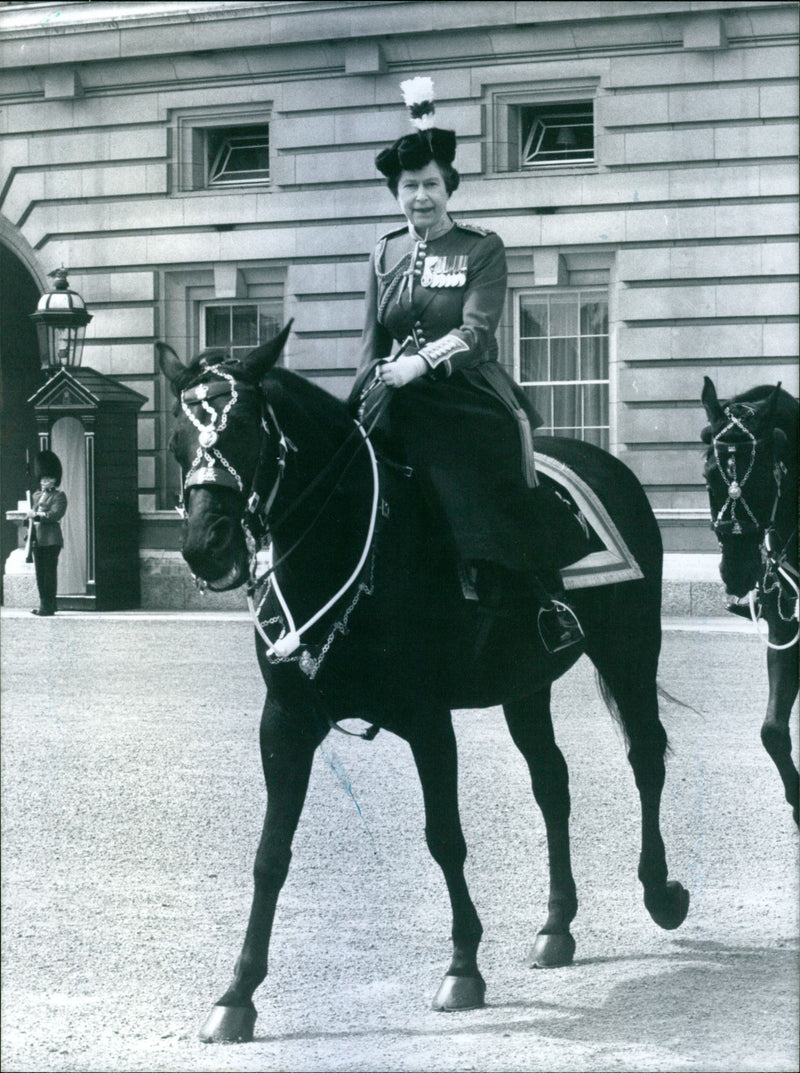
(238, 327)
(238, 155)
(561, 360)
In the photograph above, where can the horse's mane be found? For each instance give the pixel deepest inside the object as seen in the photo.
(787, 412)
(308, 400)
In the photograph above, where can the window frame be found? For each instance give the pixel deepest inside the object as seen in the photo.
(540, 115)
(189, 147)
(504, 115)
(538, 293)
(261, 305)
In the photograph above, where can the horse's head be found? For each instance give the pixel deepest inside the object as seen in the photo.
(218, 443)
(743, 472)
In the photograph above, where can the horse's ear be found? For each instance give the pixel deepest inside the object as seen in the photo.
(779, 439)
(766, 412)
(171, 365)
(259, 361)
(714, 411)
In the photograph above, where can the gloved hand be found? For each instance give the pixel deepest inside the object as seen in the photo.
(402, 371)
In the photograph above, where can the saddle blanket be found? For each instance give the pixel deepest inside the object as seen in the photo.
(615, 562)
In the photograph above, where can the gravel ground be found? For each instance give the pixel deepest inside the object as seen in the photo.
(131, 807)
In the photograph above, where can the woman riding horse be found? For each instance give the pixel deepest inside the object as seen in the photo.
(360, 614)
(437, 288)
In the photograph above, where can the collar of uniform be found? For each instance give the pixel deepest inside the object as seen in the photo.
(428, 237)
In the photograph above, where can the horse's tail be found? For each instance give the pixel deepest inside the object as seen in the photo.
(607, 697)
(676, 700)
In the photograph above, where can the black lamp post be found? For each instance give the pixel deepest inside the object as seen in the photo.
(60, 318)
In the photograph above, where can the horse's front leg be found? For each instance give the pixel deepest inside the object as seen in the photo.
(287, 753)
(783, 672)
(531, 728)
(433, 745)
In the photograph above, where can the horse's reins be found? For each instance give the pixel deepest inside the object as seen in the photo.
(204, 470)
(286, 645)
(775, 564)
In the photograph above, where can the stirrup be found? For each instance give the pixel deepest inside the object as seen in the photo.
(558, 626)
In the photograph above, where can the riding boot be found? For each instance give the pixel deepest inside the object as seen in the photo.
(559, 626)
(500, 590)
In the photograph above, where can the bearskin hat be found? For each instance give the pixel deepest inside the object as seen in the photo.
(47, 464)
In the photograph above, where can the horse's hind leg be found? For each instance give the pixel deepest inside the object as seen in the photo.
(783, 672)
(636, 695)
(287, 753)
(532, 730)
(433, 745)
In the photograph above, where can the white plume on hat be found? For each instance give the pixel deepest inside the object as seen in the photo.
(419, 96)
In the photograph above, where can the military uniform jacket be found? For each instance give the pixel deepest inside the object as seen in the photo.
(465, 428)
(53, 505)
(444, 298)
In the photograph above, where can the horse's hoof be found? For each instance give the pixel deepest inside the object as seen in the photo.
(460, 993)
(669, 906)
(551, 951)
(229, 1024)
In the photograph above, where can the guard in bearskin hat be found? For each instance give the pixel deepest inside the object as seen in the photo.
(48, 508)
(435, 293)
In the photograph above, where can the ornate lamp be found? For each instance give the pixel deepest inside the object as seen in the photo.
(61, 318)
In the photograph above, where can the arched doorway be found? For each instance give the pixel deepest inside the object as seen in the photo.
(20, 376)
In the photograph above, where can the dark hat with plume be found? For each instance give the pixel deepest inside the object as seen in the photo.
(47, 464)
(427, 143)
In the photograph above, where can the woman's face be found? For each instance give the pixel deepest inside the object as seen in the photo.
(423, 197)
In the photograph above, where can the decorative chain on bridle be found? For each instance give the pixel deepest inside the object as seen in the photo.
(203, 468)
(734, 484)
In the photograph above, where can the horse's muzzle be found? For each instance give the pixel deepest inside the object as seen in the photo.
(215, 550)
(740, 567)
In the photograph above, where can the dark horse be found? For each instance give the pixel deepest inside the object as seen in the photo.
(751, 473)
(270, 459)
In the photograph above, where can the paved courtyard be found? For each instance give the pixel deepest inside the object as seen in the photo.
(131, 807)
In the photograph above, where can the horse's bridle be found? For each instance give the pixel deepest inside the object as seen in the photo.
(204, 471)
(734, 484)
(777, 569)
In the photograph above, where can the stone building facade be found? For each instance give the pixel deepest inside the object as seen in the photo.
(206, 171)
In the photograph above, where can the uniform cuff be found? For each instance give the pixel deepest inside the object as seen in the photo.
(437, 355)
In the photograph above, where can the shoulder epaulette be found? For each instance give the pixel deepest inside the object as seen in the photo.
(475, 228)
(393, 232)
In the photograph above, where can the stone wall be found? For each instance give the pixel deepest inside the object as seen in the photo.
(687, 216)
